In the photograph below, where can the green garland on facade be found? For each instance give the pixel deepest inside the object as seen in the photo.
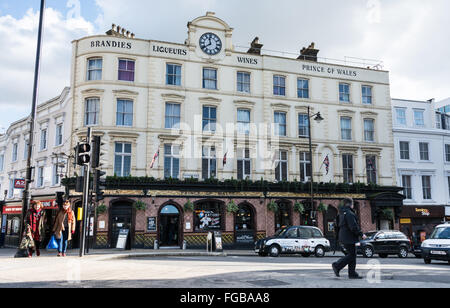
(101, 209)
(272, 206)
(299, 207)
(322, 207)
(140, 205)
(189, 206)
(232, 207)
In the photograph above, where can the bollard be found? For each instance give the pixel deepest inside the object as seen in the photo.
(184, 245)
(155, 245)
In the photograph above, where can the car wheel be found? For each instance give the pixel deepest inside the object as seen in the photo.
(403, 253)
(319, 252)
(306, 255)
(274, 251)
(383, 255)
(368, 252)
(427, 261)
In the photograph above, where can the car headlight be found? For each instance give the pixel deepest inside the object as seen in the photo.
(425, 245)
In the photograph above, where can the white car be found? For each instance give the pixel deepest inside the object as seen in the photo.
(294, 240)
(437, 247)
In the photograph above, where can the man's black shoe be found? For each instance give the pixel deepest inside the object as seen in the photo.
(336, 271)
(355, 277)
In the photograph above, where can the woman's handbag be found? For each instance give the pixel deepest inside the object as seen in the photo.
(27, 242)
(52, 244)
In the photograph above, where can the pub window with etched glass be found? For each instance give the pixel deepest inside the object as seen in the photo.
(371, 169)
(305, 167)
(94, 69)
(347, 163)
(426, 187)
(243, 82)
(171, 161)
(407, 187)
(281, 169)
(244, 163)
(173, 77)
(122, 159)
(209, 163)
(283, 216)
(207, 216)
(124, 113)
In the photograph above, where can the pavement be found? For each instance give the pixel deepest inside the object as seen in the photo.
(198, 269)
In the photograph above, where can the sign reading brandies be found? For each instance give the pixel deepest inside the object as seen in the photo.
(110, 44)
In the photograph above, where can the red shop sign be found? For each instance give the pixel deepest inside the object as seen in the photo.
(12, 210)
(19, 184)
(48, 204)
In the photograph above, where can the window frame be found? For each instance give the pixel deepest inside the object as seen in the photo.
(207, 122)
(282, 166)
(305, 166)
(301, 90)
(172, 118)
(127, 70)
(89, 70)
(303, 128)
(424, 155)
(369, 132)
(365, 95)
(343, 93)
(279, 85)
(426, 190)
(243, 127)
(211, 161)
(407, 190)
(177, 78)
(347, 168)
(403, 151)
(241, 85)
(172, 156)
(244, 158)
(88, 113)
(278, 125)
(122, 115)
(346, 130)
(123, 154)
(210, 79)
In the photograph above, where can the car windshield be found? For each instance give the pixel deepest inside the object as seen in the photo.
(441, 234)
(371, 235)
(280, 232)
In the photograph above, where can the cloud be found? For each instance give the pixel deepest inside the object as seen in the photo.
(18, 38)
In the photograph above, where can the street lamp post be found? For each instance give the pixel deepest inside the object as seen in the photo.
(318, 118)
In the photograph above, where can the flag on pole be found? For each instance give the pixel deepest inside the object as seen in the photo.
(225, 159)
(326, 162)
(155, 157)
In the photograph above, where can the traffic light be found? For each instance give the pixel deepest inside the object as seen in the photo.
(83, 154)
(97, 152)
(99, 185)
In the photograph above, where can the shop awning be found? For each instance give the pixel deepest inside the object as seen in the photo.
(387, 199)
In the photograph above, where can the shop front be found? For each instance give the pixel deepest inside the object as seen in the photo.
(418, 222)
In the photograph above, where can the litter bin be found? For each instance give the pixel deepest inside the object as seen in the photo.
(217, 241)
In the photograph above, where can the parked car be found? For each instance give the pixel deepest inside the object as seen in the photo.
(437, 247)
(294, 240)
(384, 243)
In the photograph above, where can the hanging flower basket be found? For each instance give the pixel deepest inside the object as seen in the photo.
(322, 207)
(101, 209)
(272, 206)
(189, 206)
(140, 205)
(387, 214)
(232, 207)
(299, 208)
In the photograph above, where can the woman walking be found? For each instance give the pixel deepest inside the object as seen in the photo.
(35, 224)
(64, 228)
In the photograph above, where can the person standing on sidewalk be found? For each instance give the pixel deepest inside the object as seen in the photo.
(64, 228)
(349, 234)
(35, 225)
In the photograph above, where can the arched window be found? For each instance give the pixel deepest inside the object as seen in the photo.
(283, 216)
(244, 218)
(207, 216)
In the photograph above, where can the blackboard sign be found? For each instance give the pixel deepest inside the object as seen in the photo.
(151, 224)
(218, 241)
(122, 240)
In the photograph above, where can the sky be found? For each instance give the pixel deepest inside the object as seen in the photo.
(410, 37)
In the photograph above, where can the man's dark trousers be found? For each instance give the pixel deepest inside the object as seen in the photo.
(349, 259)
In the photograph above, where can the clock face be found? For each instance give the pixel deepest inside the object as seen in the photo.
(210, 44)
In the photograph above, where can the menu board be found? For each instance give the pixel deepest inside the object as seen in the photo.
(151, 224)
(122, 240)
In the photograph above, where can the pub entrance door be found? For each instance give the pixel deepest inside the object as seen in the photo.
(121, 219)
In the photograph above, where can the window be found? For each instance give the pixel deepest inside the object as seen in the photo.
(209, 162)
(244, 163)
(92, 111)
(43, 139)
(207, 216)
(280, 124)
(11, 189)
(279, 85)
(2, 162)
(243, 121)
(173, 116)
(25, 150)
(173, 75)
(209, 118)
(292, 233)
(404, 150)
(303, 125)
(210, 78)
(171, 161)
(243, 82)
(346, 128)
(124, 115)
(56, 178)
(281, 166)
(94, 69)
(122, 159)
(59, 135)
(369, 130)
(126, 70)
(367, 95)
(426, 187)
(305, 167)
(14, 151)
(447, 153)
(419, 118)
(438, 121)
(344, 92)
(244, 219)
(400, 116)
(448, 183)
(371, 169)
(423, 149)
(40, 177)
(347, 163)
(283, 219)
(302, 88)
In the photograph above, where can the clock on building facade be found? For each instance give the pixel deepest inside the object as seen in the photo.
(210, 44)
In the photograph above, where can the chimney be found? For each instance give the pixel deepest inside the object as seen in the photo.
(256, 47)
(120, 32)
(309, 54)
